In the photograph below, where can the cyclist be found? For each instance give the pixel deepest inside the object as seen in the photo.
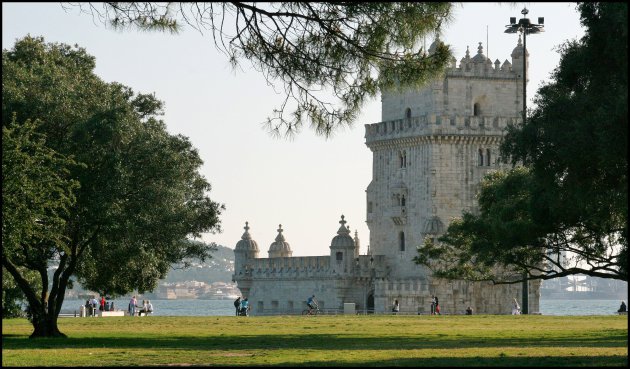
(312, 303)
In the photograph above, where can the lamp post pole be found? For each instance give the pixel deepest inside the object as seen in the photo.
(526, 27)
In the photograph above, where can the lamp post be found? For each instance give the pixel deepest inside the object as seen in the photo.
(525, 26)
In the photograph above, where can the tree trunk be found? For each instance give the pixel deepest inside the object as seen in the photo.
(45, 325)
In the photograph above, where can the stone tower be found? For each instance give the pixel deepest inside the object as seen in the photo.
(430, 152)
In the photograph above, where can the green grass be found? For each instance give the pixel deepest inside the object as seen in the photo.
(478, 340)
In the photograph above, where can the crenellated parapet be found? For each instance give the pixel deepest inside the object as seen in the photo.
(303, 267)
(433, 127)
(482, 66)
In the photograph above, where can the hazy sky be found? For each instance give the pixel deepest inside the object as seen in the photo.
(304, 184)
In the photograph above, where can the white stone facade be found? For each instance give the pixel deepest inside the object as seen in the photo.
(430, 153)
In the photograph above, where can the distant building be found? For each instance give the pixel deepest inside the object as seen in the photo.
(430, 152)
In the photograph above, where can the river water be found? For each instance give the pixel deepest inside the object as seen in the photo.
(225, 307)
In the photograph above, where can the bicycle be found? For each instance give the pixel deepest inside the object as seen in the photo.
(313, 311)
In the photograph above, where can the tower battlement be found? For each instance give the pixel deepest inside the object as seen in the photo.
(414, 129)
(291, 268)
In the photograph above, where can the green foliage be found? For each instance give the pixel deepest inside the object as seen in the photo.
(12, 296)
(349, 50)
(37, 192)
(118, 218)
(567, 212)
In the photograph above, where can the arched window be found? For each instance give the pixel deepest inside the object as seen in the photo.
(402, 201)
(480, 161)
(408, 113)
(404, 159)
(402, 241)
(488, 157)
(476, 109)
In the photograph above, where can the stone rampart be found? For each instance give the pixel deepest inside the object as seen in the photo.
(420, 128)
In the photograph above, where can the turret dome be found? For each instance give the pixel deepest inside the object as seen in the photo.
(479, 58)
(246, 243)
(343, 238)
(434, 45)
(518, 50)
(280, 248)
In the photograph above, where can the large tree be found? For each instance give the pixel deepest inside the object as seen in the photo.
(565, 211)
(115, 209)
(312, 50)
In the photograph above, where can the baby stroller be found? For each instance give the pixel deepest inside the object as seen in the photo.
(243, 311)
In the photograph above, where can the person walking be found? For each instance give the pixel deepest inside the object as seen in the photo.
(432, 305)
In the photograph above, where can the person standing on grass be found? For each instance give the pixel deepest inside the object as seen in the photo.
(437, 306)
(432, 305)
(396, 307)
(132, 306)
(516, 309)
(102, 303)
(244, 306)
(237, 304)
(94, 303)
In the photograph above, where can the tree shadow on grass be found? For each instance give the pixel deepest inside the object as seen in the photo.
(502, 361)
(613, 338)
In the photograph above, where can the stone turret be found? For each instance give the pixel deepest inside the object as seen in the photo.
(342, 249)
(280, 248)
(517, 58)
(246, 249)
(357, 244)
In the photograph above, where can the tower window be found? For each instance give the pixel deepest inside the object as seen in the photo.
(402, 241)
(408, 113)
(402, 200)
(480, 160)
(339, 256)
(402, 155)
(476, 109)
(488, 157)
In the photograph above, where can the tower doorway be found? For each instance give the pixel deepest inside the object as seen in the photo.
(370, 304)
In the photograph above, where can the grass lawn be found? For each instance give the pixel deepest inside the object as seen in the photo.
(378, 340)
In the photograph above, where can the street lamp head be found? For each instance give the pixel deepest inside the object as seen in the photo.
(541, 20)
(512, 20)
(524, 11)
(512, 29)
